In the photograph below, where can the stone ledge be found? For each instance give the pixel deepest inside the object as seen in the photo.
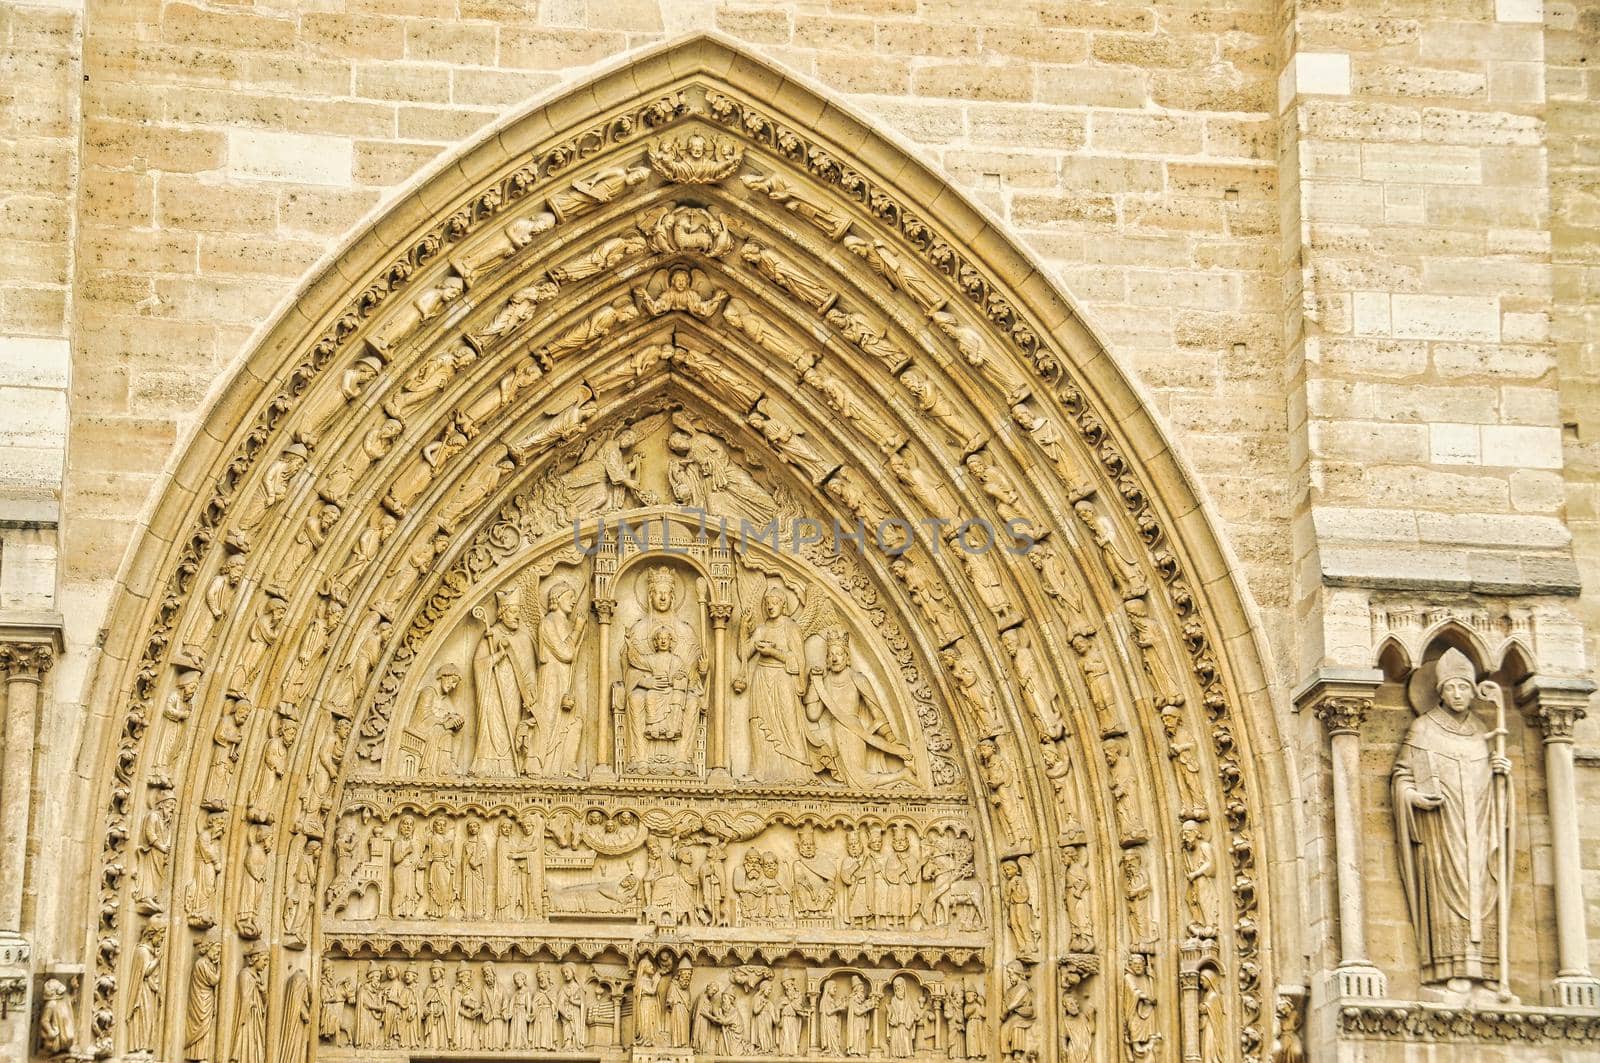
(1509, 572)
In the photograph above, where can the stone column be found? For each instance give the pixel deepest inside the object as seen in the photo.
(604, 740)
(1341, 703)
(1557, 705)
(23, 664)
(717, 711)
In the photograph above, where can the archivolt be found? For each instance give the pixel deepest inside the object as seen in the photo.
(358, 475)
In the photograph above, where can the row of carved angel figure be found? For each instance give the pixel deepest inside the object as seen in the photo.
(530, 867)
(795, 1013)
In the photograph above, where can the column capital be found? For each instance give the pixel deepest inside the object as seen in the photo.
(28, 649)
(1340, 697)
(1555, 704)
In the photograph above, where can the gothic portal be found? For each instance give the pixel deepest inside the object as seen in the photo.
(681, 585)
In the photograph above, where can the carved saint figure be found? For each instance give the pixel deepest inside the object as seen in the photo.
(886, 262)
(571, 1029)
(784, 275)
(904, 1013)
(606, 477)
(647, 1003)
(557, 725)
(771, 675)
(833, 222)
(1017, 1018)
(200, 1013)
(1139, 1031)
(665, 686)
(250, 1035)
(502, 673)
(1451, 824)
(848, 734)
(677, 1008)
(608, 254)
(696, 160)
(144, 1016)
(595, 191)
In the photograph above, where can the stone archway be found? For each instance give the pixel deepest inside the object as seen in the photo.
(533, 608)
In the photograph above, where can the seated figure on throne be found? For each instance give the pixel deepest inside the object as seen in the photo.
(664, 672)
(664, 699)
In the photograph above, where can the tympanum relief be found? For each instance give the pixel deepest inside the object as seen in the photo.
(525, 717)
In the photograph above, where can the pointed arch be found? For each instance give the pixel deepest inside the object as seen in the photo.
(401, 436)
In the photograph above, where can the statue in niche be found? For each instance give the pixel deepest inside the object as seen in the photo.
(1077, 1026)
(848, 735)
(664, 688)
(771, 674)
(905, 1012)
(439, 859)
(570, 1006)
(1004, 792)
(606, 255)
(887, 263)
(1199, 870)
(618, 313)
(518, 311)
(934, 403)
(557, 723)
(1452, 819)
(859, 330)
(791, 444)
(676, 1009)
(595, 191)
(1213, 1017)
(743, 317)
(667, 895)
(176, 710)
(647, 985)
(567, 420)
(1032, 678)
(225, 742)
(1017, 891)
(58, 1026)
(201, 896)
(502, 674)
(680, 289)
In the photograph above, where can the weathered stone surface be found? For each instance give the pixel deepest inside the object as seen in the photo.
(1354, 283)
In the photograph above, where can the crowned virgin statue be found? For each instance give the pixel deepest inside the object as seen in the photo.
(1452, 817)
(664, 672)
